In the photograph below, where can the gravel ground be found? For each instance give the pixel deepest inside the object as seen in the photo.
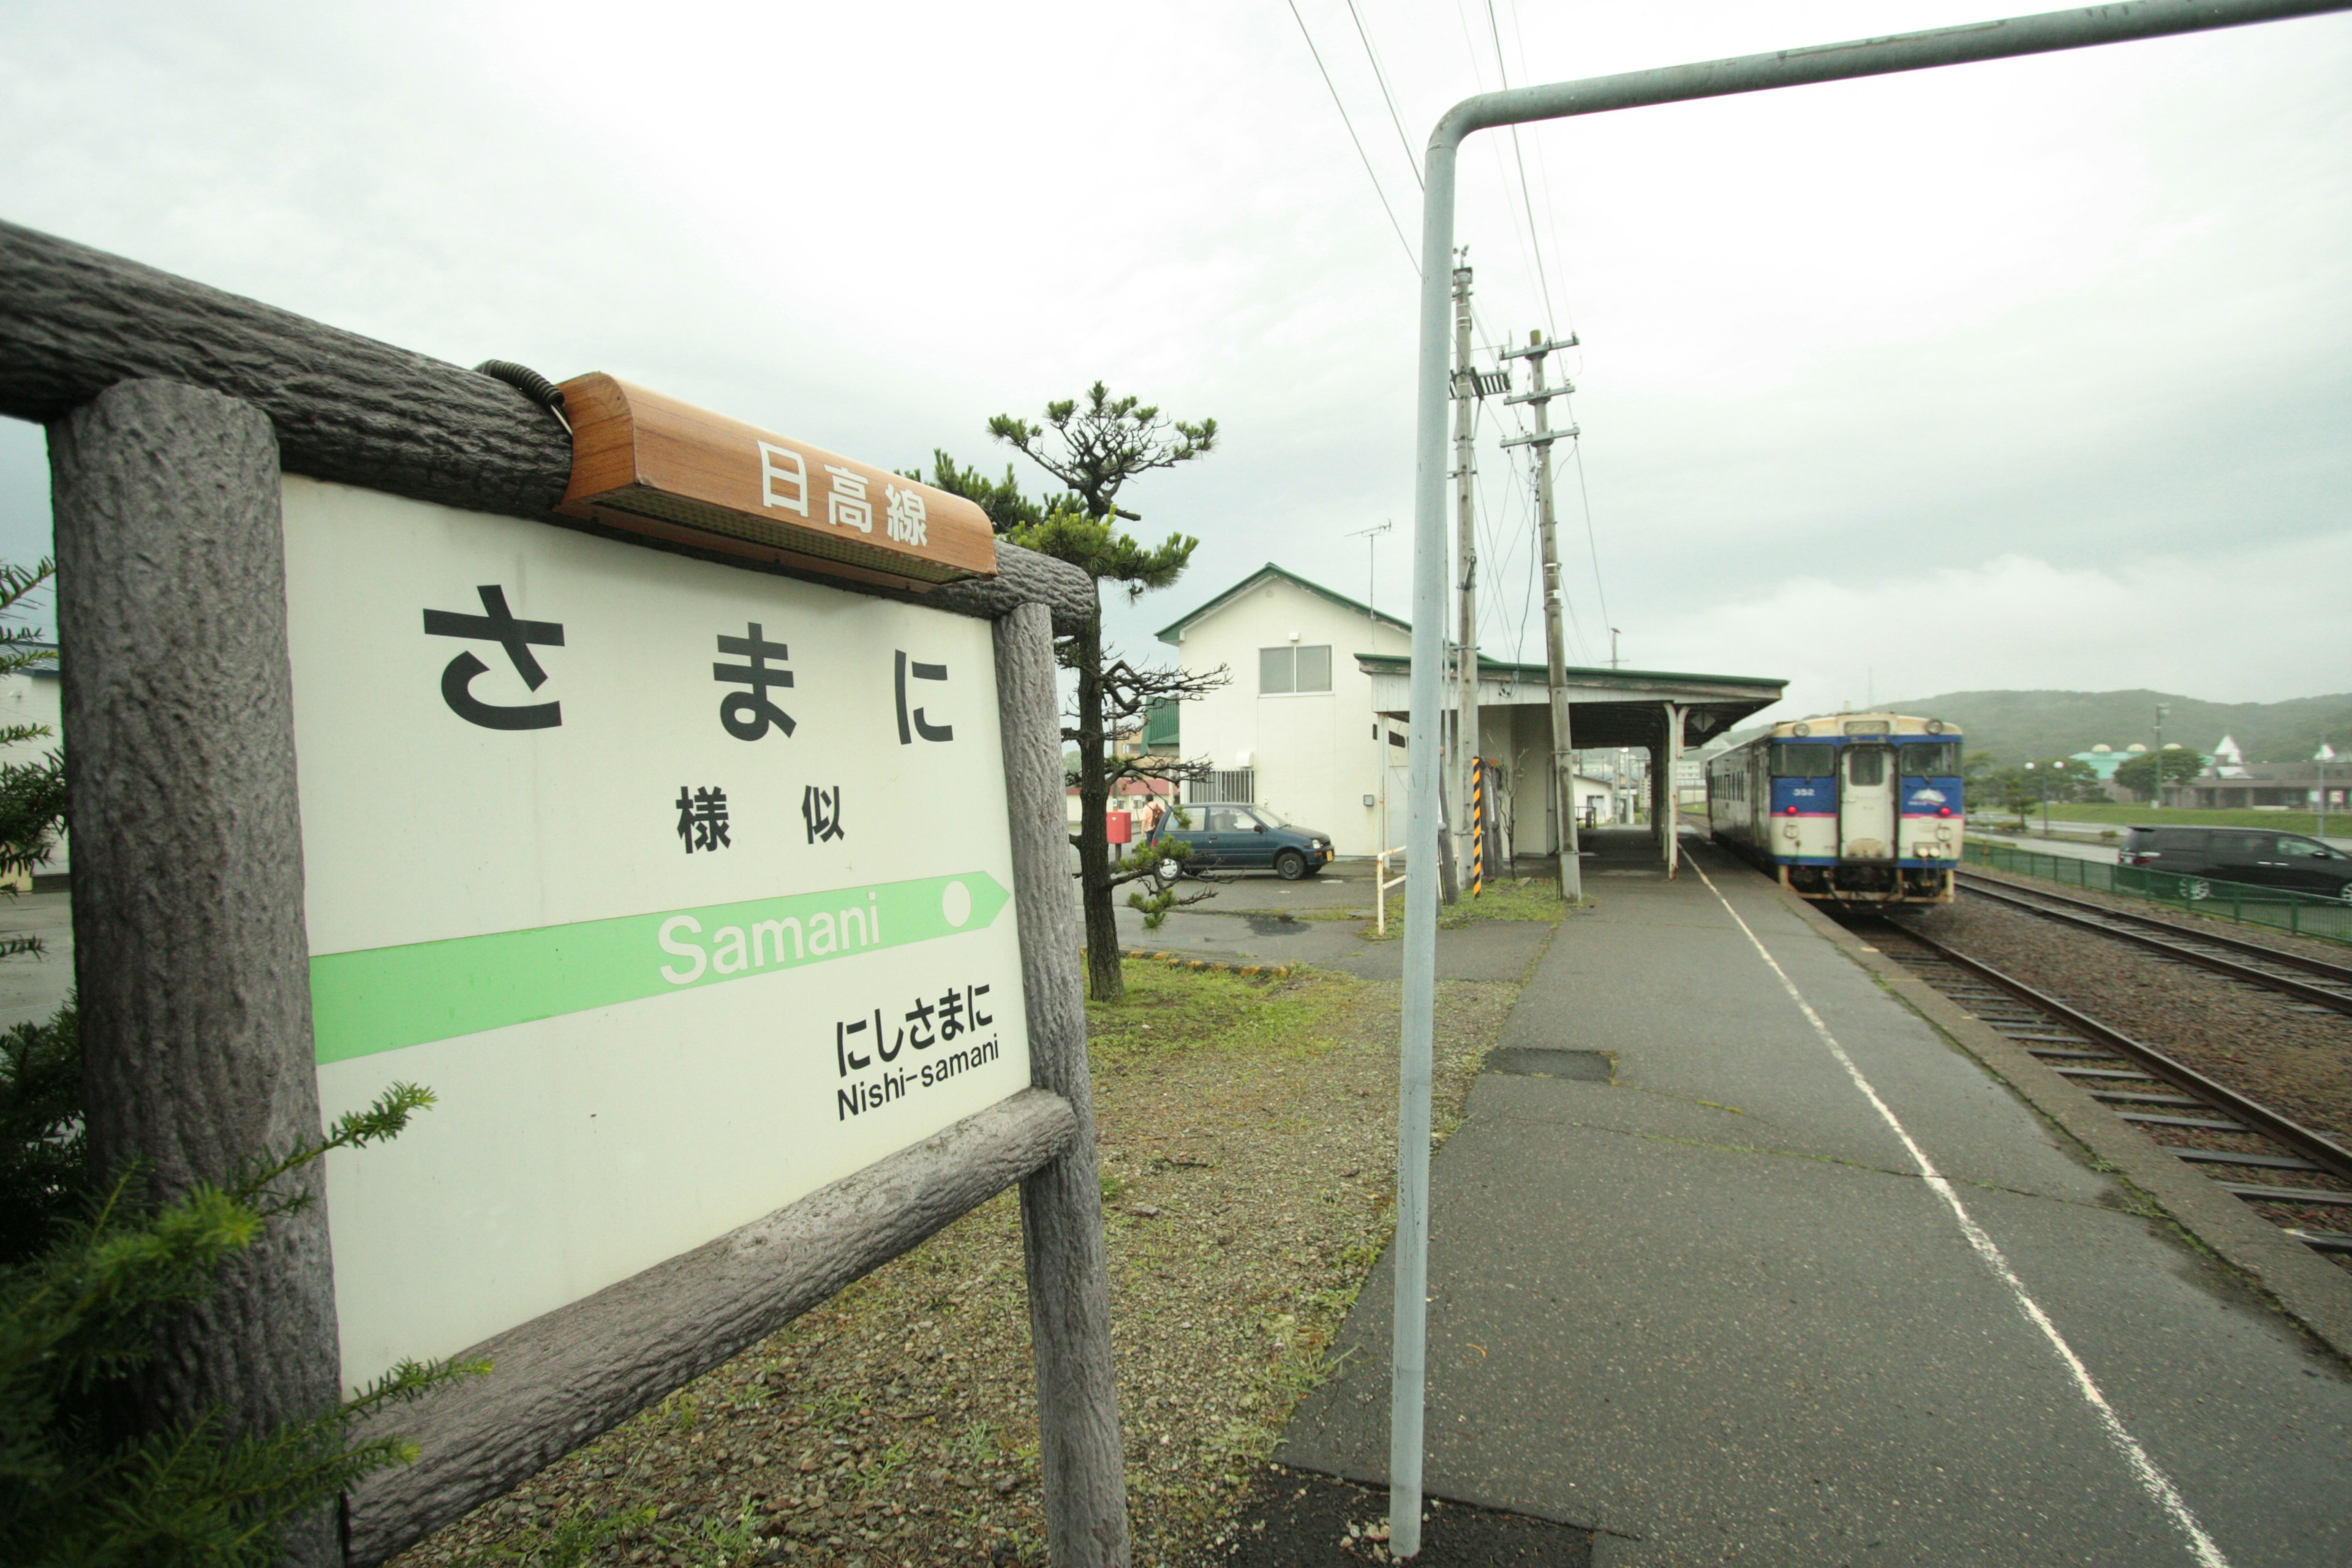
(1247, 1132)
(2189, 923)
(2254, 1040)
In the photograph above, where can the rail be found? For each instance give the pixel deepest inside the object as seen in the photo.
(2222, 954)
(1380, 886)
(2279, 908)
(2318, 1152)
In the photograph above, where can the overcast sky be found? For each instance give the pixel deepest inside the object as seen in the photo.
(2027, 375)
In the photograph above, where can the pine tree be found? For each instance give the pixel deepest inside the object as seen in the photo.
(1096, 447)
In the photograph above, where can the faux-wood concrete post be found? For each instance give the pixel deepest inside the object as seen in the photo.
(1061, 1203)
(189, 945)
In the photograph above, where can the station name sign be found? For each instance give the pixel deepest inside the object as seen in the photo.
(653, 465)
(683, 887)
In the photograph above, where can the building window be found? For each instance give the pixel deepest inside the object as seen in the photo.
(1284, 670)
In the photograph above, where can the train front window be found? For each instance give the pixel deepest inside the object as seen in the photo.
(1865, 767)
(1930, 759)
(1803, 760)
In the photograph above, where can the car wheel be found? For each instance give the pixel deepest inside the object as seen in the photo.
(2344, 892)
(1167, 873)
(1290, 865)
(2198, 888)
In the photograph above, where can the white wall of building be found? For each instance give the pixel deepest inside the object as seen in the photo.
(1316, 753)
(1317, 756)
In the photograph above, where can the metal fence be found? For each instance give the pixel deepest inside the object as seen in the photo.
(2305, 914)
(1222, 786)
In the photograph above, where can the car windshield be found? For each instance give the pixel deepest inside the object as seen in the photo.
(1270, 818)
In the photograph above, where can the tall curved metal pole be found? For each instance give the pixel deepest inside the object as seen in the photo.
(2051, 31)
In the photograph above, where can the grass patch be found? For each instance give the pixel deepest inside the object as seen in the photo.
(1517, 898)
(1168, 1011)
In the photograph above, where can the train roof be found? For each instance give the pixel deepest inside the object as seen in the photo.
(1839, 726)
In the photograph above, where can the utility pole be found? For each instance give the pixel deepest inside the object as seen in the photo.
(1563, 748)
(1613, 647)
(1469, 386)
(1465, 556)
(2156, 790)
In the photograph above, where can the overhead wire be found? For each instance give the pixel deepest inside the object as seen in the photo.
(1543, 172)
(1411, 259)
(1593, 546)
(1382, 77)
(1543, 278)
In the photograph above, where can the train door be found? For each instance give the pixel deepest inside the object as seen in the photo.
(1867, 805)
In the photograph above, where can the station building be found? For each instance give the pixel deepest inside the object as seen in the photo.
(1313, 720)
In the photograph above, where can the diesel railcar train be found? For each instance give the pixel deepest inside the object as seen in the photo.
(1850, 807)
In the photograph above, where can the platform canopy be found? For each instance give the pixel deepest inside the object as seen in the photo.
(1606, 706)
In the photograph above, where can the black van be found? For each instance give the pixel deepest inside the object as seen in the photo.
(2243, 855)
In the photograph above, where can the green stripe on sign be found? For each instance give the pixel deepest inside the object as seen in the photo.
(383, 998)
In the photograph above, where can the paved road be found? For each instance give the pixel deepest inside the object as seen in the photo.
(33, 986)
(2087, 845)
(1714, 1309)
(1492, 950)
(2066, 848)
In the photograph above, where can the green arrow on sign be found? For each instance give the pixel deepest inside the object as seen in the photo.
(383, 998)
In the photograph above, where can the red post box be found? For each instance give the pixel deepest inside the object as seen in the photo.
(1119, 827)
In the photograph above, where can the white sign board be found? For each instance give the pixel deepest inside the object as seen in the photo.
(685, 888)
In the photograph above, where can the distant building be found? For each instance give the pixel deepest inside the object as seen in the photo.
(2103, 761)
(2282, 786)
(1313, 720)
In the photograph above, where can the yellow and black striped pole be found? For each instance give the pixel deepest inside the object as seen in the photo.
(1477, 825)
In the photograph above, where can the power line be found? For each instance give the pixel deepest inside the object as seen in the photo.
(1411, 260)
(1380, 77)
(1543, 169)
(1590, 543)
(1543, 278)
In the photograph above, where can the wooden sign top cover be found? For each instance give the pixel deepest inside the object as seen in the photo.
(649, 464)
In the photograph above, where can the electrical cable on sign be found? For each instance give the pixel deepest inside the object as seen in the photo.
(531, 384)
(1412, 260)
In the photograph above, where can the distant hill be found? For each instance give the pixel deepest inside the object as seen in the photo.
(2016, 725)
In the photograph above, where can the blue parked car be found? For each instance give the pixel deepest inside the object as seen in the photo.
(1243, 838)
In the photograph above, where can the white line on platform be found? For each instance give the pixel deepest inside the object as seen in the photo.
(2151, 1479)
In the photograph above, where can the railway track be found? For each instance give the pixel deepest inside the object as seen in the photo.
(2291, 1175)
(2314, 983)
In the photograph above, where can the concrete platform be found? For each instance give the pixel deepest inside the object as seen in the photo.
(1713, 1310)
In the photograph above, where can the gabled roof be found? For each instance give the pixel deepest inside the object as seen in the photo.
(1175, 628)
(1401, 664)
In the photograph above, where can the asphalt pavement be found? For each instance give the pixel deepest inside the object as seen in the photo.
(1690, 1286)
(33, 985)
(1324, 921)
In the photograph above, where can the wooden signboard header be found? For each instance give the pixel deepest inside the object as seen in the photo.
(652, 465)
